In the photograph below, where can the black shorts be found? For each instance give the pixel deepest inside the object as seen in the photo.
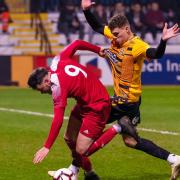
(127, 109)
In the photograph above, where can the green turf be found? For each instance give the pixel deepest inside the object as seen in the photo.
(21, 135)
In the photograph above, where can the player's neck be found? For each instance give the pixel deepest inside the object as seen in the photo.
(131, 36)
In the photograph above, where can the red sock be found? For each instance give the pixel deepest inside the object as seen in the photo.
(79, 160)
(86, 164)
(102, 141)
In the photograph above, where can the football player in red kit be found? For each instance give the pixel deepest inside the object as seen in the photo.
(68, 79)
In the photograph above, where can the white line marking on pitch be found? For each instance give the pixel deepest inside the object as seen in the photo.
(28, 112)
(66, 117)
(157, 131)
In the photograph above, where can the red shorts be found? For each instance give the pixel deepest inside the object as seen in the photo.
(93, 123)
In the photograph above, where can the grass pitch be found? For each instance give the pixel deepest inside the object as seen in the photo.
(22, 134)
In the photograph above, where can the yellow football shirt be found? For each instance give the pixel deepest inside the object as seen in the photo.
(126, 64)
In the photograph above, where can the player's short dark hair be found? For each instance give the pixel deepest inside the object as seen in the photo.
(117, 21)
(36, 77)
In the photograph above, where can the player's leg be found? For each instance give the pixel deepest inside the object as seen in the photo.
(152, 149)
(91, 136)
(86, 146)
(93, 129)
(148, 146)
(132, 111)
(70, 137)
(119, 113)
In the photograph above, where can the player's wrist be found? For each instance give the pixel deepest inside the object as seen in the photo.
(46, 146)
(163, 39)
(86, 8)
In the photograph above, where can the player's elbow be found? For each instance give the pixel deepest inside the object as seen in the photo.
(159, 56)
(77, 41)
(152, 53)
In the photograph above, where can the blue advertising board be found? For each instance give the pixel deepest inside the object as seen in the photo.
(163, 71)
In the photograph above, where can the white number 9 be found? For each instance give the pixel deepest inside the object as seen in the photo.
(75, 72)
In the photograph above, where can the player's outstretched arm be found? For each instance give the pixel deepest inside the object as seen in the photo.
(55, 126)
(54, 131)
(76, 45)
(91, 19)
(153, 53)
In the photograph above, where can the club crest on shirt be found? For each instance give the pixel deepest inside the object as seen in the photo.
(121, 52)
(110, 56)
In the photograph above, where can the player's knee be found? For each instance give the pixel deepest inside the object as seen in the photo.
(81, 150)
(129, 141)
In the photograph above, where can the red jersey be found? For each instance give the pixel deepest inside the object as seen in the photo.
(72, 80)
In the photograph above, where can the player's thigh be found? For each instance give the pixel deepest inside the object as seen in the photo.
(115, 114)
(91, 129)
(74, 124)
(130, 109)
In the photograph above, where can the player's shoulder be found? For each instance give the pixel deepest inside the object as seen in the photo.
(54, 63)
(139, 47)
(138, 41)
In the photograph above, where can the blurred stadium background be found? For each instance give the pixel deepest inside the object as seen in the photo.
(31, 34)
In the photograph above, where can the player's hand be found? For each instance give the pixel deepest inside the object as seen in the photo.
(101, 52)
(40, 155)
(170, 32)
(87, 4)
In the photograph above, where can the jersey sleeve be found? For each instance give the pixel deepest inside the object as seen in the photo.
(59, 100)
(139, 49)
(93, 22)
(70, 50)
(55, 126)
(158, 52)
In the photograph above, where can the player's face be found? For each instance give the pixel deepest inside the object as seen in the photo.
(45, 86)
(121, 35)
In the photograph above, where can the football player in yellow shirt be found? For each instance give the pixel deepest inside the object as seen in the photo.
(126, 56)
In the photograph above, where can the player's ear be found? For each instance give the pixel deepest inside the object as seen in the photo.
(128, 29)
